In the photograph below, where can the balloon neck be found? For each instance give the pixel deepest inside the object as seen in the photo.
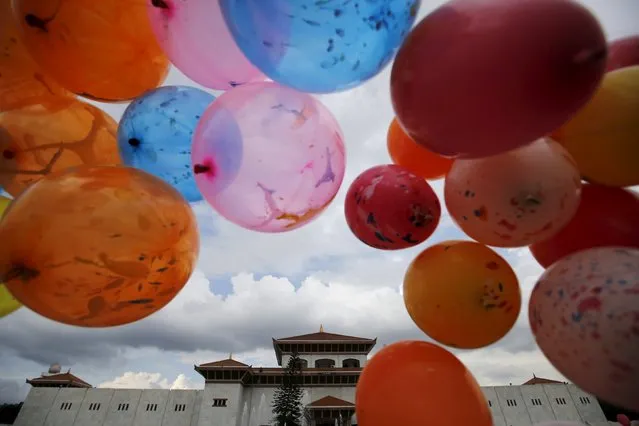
(134, 142)
(160, 4)
(591, 56)
(36, 22)
(199, 169)
(8, 154)
(20, 272)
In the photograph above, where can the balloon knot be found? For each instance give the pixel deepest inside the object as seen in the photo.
(161, 4)
(590, 55)
(36, 22)
(135, 142)
(21, 272)
(8, 154)
(201, 168)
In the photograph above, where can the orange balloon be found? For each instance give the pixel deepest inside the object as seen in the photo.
(98, 246)
(404, 151)
(419, 383)
(22, 82)
(104, 50)
(462, 294)
(40, 139)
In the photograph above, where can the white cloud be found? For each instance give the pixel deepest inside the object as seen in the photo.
(143, 380)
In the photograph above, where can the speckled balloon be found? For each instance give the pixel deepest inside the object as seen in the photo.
(156, 132)
(388, 207)
(320, 46)
(583, 312)
(268, 158)
(516, 198)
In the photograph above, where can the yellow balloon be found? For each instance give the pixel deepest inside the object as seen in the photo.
(603, 137)
(8, 303)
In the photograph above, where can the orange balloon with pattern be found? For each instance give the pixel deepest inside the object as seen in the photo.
(98, 246)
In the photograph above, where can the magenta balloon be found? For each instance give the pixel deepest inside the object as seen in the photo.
(196, 39)
(268, 158)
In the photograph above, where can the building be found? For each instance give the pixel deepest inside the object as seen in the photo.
(236, 394)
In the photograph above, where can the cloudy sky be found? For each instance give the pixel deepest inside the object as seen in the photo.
(250, 287)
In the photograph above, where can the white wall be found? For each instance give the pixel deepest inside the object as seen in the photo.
(533, 394)
(587, 406)
(91, 414)
(116, 417)
(151, 406)
(220, 416)
(65, 407)
(338, 358)
(179, 408)
(36, 407)
(512, 406)
(493, 405)
(567, 412)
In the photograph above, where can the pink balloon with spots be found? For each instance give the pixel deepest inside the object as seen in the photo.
(194, 36)
(268, 158)
(516, 198)
(584, 313)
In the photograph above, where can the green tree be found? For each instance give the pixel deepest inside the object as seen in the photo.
(287, 401)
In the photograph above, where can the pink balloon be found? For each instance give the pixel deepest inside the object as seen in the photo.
(583, 313)
(268, 158)
(623, 420)
(516, 198)
(196, 39)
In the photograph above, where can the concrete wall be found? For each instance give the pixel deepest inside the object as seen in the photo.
(66, 407)
(215, 415)
(179, 408)
(36, 407)
(151, 407)
(338, 358)
(94, 407)
(123, 407)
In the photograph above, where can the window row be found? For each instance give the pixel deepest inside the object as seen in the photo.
(324, 347)
(320, 379)
(95, 406)
(66, 406)
(536, 402)
(330, 363)
(219, 402)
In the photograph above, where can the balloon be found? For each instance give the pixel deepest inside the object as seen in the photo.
(477, 78)
(606, 216)
(462, 294)
(40, 139)
(22, 82)
(196, 39)
(104, 50)
(604, 136)
(316, 46)
(407, 153)
(268, 158)
(389, 208)
(516, 198)
(583, 313)
(156, 132)
(623, 53)
(98, 246)
(8, 303)
(408, 382)
(623, 419)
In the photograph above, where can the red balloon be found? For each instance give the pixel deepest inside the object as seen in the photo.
(477, 78)
(623, 53)
(623, 420)
(389, 208)
(606, 216)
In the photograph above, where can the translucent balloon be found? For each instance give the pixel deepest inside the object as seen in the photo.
(623, 53)
(388, 207)
(477, 78)
(319, 46)
(22, 82)
(606, 216)
(104, 50)
(408, 382)
(583, 313)
(98, 246)
(8, 303)
(37, 140)
(415, 157)
(268, 158)
(516, 198)
(156, 132)
(462, 294)
(603, 137)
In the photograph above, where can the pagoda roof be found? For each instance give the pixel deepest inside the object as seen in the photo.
(62, 379)
(225, 363)
(541, 381)
(330, 402)
(322, 336)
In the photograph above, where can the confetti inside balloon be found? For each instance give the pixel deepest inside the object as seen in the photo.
(8, 303)
(606, 216)
(268, 158)
(156, 132)
(477, 78)
(583, 312)
(603, 137)
(623, 52)
(37, 140)
(415, 157)
(388, 207)
(410, 381)
(319, 46)
(197, 41)
(516, 198)
(104, 50)
(22, 82)
(98, 246)
(462, 294)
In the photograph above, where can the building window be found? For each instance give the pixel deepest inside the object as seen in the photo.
(219, 402)
(123, 407)
(511, 402)
(536, 402)
(302, 363)
(324, 363)
(180, 407)
(584, 400)
(561, 401)
(94, 406)
(66, 406)
(151, 407)
(490, 404)
(350, 363)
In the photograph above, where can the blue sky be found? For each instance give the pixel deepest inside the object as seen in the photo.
(250, 287)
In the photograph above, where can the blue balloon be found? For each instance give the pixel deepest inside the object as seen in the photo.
(320, 46)
(156, 132)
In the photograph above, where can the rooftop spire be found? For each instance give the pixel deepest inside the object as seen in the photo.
(231, 355)
(321, 328)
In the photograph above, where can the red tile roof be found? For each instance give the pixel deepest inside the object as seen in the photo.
(225, 363)
(323, 337)
(542, 381)
(331, 402)
(63, 379)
